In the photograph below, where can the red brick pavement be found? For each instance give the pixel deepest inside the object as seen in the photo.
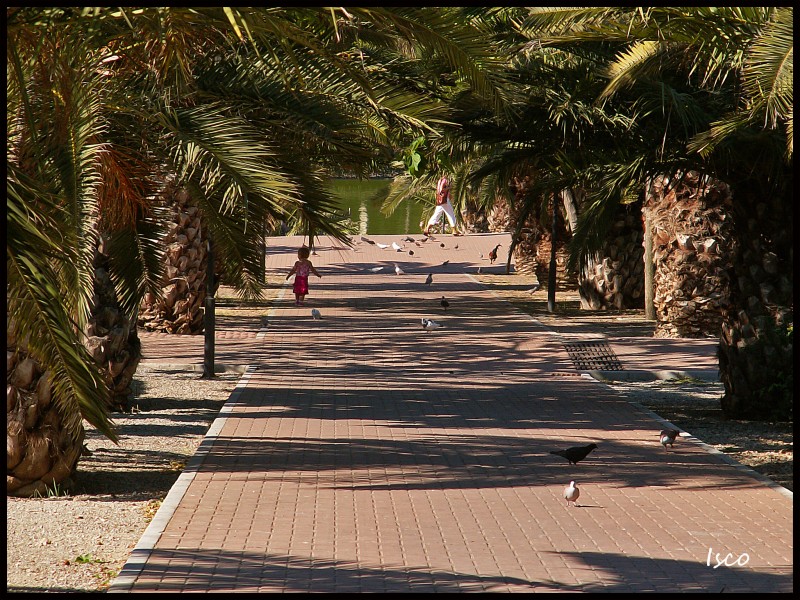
(363, 454)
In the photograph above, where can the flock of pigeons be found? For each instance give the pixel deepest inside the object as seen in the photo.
(574, 454)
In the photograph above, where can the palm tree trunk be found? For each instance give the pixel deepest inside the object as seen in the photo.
(757, 340)
(692, 245)
(180, 309)
(39, 451)
(111, 336)
(615, 277)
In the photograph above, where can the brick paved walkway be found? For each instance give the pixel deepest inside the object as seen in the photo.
(360, 453)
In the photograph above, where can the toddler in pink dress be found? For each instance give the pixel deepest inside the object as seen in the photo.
(301, 270)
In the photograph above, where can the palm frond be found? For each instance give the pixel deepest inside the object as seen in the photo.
(768, 73)
(36, 313)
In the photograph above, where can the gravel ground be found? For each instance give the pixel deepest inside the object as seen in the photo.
(80, 542)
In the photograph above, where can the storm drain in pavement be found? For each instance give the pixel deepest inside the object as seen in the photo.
(593, 356)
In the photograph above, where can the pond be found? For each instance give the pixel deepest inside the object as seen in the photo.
(364, 198)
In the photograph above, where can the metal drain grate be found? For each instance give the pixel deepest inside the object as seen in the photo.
(593, 356)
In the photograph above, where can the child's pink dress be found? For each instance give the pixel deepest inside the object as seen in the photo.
(301, 280)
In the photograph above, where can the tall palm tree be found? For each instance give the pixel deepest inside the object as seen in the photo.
(722, 77)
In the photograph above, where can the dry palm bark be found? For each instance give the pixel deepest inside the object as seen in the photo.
(532, 253)
(692, 245)
(180, 309)
(39, 450)
(615, 279)
(756, 353)
(111, 335)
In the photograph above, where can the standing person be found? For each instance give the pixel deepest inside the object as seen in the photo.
(302, 267)
(443, 205)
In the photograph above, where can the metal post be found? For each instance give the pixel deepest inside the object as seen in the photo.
(649, 268)
(551, 275)
(209, 319)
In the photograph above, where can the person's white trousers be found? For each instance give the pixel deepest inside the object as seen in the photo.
(447, 209)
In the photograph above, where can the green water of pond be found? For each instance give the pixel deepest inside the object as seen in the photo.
(364, 198)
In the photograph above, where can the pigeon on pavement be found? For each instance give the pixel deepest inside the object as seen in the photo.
(369, 241)
(667, 436)
(493, 254)
(398, 270)
(381, 246)
(575, 454)
(571, 493)
(429, 279)
(315, 313)
(408, 238)
(445, 263)
(535, 288)
(376, 269)
(444, 303)
(397, 246)
(429, 325)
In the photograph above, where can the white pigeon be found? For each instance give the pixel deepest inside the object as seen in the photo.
(316, 314)
(381, 246)
(398, 270)
(571, 493)
(397, 247)
(429, 325)
(376, 269)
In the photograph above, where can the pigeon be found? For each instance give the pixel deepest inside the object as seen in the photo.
(479, 270)
(575, 454)
(429, 279)
(535, 288)
(376, 269)
(445, 263)
(398, 270)
(411, 253)
(667, 436)
(571, 493)
(429, 325)
(396, 246)
(444, 303)
(442, 245)
(369, 241)
(408, 238)
(315, 313)
(455, 247)
(418, 244)
(493, 254)
(381, 246)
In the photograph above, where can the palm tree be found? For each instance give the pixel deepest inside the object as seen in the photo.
(722, 77)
